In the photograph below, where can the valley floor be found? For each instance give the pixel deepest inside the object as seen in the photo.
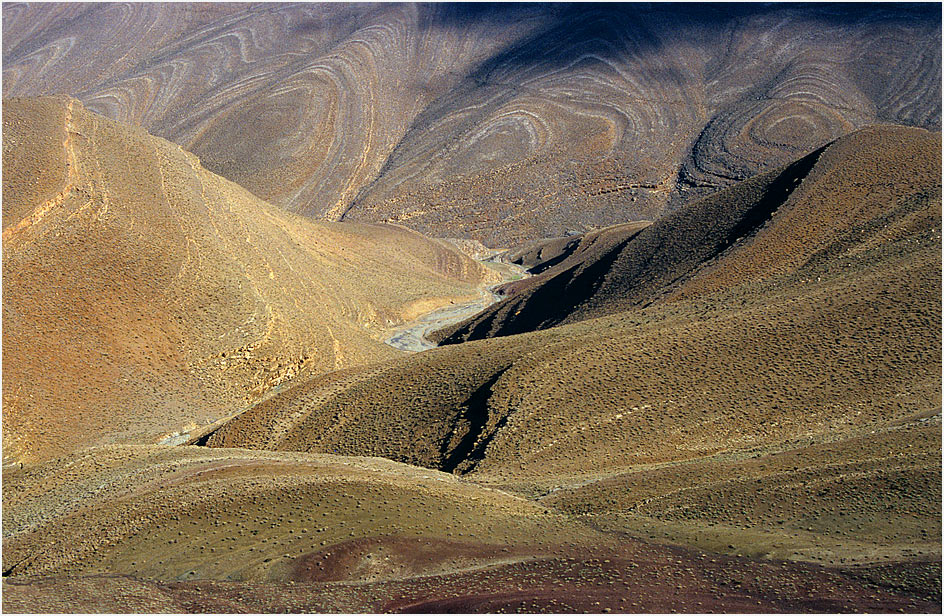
(413, 336)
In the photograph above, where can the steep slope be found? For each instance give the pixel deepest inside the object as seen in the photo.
(497, 122)
(545, 260)
(143, 293)
(816, 328)
(772, 225)
(552, 255)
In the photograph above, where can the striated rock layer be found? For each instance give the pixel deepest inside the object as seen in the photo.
(142, 293)
(498, 122)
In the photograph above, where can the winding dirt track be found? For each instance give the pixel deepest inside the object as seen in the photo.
(413, 335)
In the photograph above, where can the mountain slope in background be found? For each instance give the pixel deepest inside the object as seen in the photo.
(143, 293)
(767, 227)
(497, 122)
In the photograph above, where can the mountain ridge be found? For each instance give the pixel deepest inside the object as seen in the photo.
(225, 296)
(791, 341)
(708, 242)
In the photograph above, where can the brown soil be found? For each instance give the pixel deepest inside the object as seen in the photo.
(778, 408)
(859, 196)
(143, 293)
(735, 407)
(633, 579)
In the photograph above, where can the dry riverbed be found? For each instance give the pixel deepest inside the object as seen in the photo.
(412, 336)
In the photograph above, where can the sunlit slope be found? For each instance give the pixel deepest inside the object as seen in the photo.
(186, 529)
(859, 496)
(818, 326)
(299, 103)
(142, 293)
(195, 513)
(504, 122)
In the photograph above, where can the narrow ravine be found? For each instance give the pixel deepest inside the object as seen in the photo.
(412, 336)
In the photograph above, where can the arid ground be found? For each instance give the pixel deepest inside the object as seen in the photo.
(450, 308)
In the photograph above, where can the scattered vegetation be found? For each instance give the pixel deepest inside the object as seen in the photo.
(733, 407)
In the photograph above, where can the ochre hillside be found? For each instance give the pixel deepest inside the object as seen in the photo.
(143, 294)
(763, 351)
(501, 123)
(254, 516)
(233, 235)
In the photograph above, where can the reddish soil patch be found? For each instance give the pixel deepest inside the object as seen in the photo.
(375, 558)
(637, 578)
(648, 578)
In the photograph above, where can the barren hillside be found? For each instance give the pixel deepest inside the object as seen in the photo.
(706, 238)
(142, 293)
(793, 339)
(137, 529)
(870, 189)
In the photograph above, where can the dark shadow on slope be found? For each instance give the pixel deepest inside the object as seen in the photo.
(543, 266)
(202, 441)
(547, 305)
(776, 195)
(571, 37)
(640, 269)
(470, 450)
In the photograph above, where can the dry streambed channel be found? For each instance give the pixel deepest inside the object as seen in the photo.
(412, 336)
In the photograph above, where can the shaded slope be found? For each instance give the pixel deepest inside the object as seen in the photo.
(499, 122)
(142, 293)
(770, 225)
(546, 258)
(299, 103)
(795, 336)
(636, 270)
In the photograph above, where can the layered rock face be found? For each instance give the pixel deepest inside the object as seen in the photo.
(499, 123)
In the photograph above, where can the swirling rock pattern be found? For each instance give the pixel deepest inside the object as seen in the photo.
(301, 104)
(499, 123)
